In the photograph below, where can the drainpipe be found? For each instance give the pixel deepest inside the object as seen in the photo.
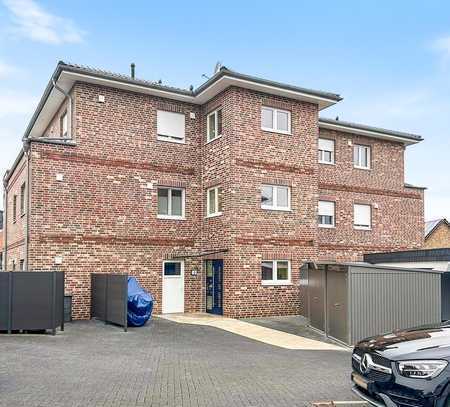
(69, 110)
(5, 221)
(27, 152)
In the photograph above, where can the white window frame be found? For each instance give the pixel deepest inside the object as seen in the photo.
(321, 159)
(275, 280)
(275, 120)
(64, 125)
(326, 225)
(181, 262)
(216, 202)
(275, 206)
(168, 137)
(359, 226)
(169, 203)
(214, 113)
(357, 163)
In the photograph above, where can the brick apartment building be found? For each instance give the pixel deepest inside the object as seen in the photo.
(212, 197)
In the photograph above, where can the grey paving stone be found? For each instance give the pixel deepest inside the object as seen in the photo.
(164, 364)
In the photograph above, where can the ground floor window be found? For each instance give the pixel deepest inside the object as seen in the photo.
(276, 272)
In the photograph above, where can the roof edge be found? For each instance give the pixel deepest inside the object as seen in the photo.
(351, 127)
(441, 221)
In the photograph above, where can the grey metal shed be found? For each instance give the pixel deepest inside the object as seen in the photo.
(352, 301)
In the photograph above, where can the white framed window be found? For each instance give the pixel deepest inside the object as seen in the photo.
(276, 272)
(361, 156)
(170, 126)
(362, 216)
(214, 201)
(276, 197)
(214, 125)
(275, 120)
(171, 203)
(327, 210)
(22, 198)
(326, 151)
(64, 125)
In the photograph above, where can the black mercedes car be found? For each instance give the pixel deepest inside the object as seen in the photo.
(406, 368)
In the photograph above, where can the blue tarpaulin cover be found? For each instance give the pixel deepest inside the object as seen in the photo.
(140, 304)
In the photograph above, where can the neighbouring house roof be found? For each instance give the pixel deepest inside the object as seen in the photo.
(369, 131)
(432, 225)
(409, 256)
(67, 74)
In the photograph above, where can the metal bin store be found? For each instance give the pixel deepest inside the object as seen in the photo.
(352, 301)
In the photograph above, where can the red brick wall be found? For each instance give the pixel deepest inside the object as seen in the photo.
(16, 230)
(102, 217)
(262, 157)
(397, 211)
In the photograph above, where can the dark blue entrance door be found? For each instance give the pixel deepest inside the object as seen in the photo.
(214, 286)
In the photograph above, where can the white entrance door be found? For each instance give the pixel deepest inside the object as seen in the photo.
(173, 287)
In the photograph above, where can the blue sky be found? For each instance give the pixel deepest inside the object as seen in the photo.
(390, 60)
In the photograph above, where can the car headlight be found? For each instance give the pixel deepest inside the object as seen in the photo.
(421, 369)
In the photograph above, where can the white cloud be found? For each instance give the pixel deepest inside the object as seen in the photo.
(16, 103)
(442, 47)
(5, 70)
(30, 20)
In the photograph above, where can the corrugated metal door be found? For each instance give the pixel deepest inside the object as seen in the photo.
(337, 303)
(316, 294)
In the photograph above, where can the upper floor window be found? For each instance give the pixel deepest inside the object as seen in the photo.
(171, 203)
(276, 197)
(361, 156)
(64, 125)
(170, 126)
(275, 120)
(326, 151)
(326, 214)
(214, 201)
(22, 199)
(14, 208)
(214, 125)
(362, 216)
(275, 272)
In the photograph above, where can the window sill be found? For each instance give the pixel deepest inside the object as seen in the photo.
(213, 215)
(168, 217)
(327, 226)
(362, 168)
(214, 139)
(362, 228)
(276, 283)
(284, 133)
(327, 163)
(268, 208)
(167, 140)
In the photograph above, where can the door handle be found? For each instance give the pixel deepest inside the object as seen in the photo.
(337, 304)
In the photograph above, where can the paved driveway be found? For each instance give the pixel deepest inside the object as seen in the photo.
(164, 364)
